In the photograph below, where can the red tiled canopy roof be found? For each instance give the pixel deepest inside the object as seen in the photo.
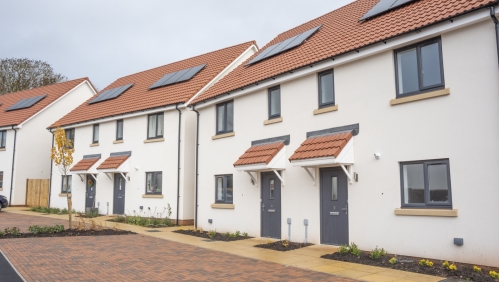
(113, 162)
(341, 32)
(53, 92)
(322, 146)
(140, 97)
(258, 154)
(84, 164)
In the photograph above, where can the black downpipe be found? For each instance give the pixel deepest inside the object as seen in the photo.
(197, 174)
(496, 22)
(178, 164)
(51, 167)
(13, 160)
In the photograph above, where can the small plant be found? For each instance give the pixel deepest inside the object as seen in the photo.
(227, 234)
(181, 229)
(377, 253)
(477, 269)
(285, 243)
(12, 231)
(343, 249)
(245, 234)
(449, 266)
(494, 274)
(425, 262)
(201, 230)
(212, 234)
(237, 234)
(268, 240)
(354, 250)
(393, 261)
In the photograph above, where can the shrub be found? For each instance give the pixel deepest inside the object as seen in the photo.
(449, 266)
(285, 243)
(201, 230)
(212, 234)
(354, 250)
(35, 229)
(343, 249)
(237, 234)
(377, 253)
(227, 234)
(245, 234)
(12, 231)
(392, 261)
(425, 262)
(494, 274)
(477, 269)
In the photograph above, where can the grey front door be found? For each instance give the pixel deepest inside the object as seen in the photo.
(90, 194)
(271, 206)
(119, 194)
(334, 206)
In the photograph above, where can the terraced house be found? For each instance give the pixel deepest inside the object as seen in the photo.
(25, 142)
(375, 123)
(134, 140)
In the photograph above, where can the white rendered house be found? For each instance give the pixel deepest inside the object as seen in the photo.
(380, 131)
(25, 143)
(134, 141)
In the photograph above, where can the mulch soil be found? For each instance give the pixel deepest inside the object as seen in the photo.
(411, 264)
(70, 232)
(280, 246)
(217, 237)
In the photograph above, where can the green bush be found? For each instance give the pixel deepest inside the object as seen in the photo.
(343, 249)
(354, 250)
(35, 229)
(212, 234)
(377, 253)
(245, 234)
(12, 231)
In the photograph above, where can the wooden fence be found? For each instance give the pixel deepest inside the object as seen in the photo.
(37, 192)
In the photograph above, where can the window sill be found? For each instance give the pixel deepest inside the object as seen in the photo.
(64, 194)
(94, 145)
(427, 212)
(271, 121)
(1, 189)
(118, 141)
(152, 196)
(154, 140)
(225, 135)
(419, 97)
(326, 110)
(3, 149)
(223, 206)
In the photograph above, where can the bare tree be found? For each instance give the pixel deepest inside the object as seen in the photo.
(22, 74)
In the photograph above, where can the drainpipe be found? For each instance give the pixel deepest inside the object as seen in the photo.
(496, 22)
(178, 162)
(51, 167)
(13, 160)
(197, 166)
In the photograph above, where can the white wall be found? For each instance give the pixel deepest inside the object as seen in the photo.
(34, 141)
(6, 163)
(461, 127)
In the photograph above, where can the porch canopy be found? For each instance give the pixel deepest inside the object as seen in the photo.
(116, 163)
(264, 155)
(86, 166)
(327, 148)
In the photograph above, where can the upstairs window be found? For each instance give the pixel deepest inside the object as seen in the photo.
(154, 182)
(155, 126)
(225, 117)
(3, 138)
(119, 129)
(326, 89)
(426, 184)
(274, 102)
(95, 135)
(70, 135)
(66, 184)
(419, 68)
(224, 192)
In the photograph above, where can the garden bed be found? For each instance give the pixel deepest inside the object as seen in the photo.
(143, 221)
(283, 246)
(10, 233)
(212, 235)
(411, 264)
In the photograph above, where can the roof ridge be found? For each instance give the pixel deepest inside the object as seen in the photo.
(49, 85)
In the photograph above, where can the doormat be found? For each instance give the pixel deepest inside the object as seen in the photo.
(153, 231)
(8, 271)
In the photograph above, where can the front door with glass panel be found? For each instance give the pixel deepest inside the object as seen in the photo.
(271, 206)
(119, 194)
(90, 194)
(334, 206)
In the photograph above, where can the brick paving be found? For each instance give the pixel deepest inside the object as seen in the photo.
(134, 258)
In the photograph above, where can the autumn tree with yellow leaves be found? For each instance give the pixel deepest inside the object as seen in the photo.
(62, 155)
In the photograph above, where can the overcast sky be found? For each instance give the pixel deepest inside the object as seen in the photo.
(108, 39)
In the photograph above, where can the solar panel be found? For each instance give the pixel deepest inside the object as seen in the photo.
(284, 45)
(384, 6)
(26, 103)
(178, 76)
(111, 93)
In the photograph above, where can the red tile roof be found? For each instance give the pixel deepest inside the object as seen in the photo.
(84, 164)
(140, 97)
(260, 154)
(341, 33)
(53, 92)
(113, 162)
(322, 146)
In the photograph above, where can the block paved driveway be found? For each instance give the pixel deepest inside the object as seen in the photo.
(133, 258)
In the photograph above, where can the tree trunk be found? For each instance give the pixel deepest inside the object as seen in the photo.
(70, 210)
